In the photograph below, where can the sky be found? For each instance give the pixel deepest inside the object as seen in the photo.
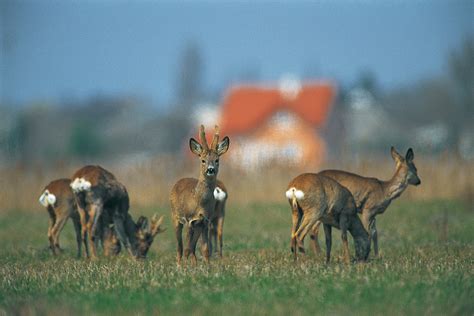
(54, 50)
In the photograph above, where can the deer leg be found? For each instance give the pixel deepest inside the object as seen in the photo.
(314, 238)
(373, 232)
(205, 241)
(212, 236)
(189, 238)
(306, 224)
(77, 228)
(52, 221)
(213, 245)
(83, 221)
(328, 235)
(178, 229)
(343, 222)
(121, 233)
(296, 221)
(95, 211)
(220, 228)
(58, 227)
(197, 230)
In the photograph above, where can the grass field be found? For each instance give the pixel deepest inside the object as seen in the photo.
(426, 267)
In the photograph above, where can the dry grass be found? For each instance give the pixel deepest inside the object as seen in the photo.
(149, 182)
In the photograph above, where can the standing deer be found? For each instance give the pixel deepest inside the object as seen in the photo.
(59, 201)
(372, 196)
(314, 198)
(100, 195)
(217, 220)
(193, 201)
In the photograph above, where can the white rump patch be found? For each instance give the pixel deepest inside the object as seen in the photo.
(80, 184)
(47, 198)
(51, 199)
(298, 194)
(219, 194)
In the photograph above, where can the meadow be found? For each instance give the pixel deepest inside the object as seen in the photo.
(426, 267)
(426, 240)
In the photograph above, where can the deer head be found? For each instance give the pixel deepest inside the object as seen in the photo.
(362, 247)
(209, 156)
(406, 166)
(145, 233)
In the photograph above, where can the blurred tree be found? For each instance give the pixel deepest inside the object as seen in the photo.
(189, 76)
(367, 81)
(461, 66)
(84, 141)
(16, 143)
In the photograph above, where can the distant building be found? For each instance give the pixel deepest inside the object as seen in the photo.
(276, 124)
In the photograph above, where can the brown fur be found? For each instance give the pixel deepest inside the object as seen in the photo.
(328, 202)
(107, 200)
(65, 208)
(372, 196)
(192, 200)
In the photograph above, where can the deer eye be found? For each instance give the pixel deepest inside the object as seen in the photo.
(217, 161)
(203, 161)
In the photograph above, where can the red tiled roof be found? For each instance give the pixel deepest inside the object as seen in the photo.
(246, 107)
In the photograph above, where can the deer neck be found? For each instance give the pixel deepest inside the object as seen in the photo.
(394, 187)
(205, 187)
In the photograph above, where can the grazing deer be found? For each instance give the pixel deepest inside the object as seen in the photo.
(59, 201)
(143, 232)
(314, 198)
(193, 201)
(100, 195)
(372, 196)
(217, 220)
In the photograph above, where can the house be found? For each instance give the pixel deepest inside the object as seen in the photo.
(269, 124)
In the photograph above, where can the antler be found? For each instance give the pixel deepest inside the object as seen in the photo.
(215, 140)
(156, 224)
(203, 138)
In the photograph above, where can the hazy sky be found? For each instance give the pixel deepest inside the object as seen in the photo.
(53, 50)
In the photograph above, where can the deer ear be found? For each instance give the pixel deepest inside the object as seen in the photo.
(195, 147)
(223, 146)
(395, 155)
(142, 223)
(410, 155)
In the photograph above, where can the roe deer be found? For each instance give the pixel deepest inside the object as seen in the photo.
(217, 219)
(100, 195)
(142, 233)
(59, 201)
(372, 196)
(314, 198)
(192, 200)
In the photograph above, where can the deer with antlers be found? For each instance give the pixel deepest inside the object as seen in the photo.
(193, 201)
(372, 196)
(100, 196)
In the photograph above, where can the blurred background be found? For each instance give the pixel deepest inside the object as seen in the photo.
(297, 85)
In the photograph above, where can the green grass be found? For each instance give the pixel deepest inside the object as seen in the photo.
(426, 267)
